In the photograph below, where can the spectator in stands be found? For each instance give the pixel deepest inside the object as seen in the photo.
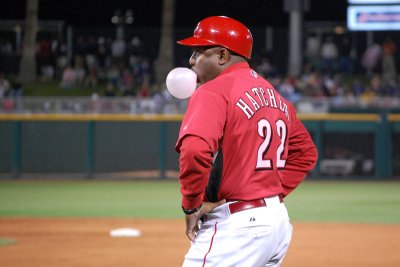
(135, 47)
(388, 63)
(68, 77)
(313, 84)
(91, 79)
(59, 48)
(127, 82)
(144, 90)
(110, 90)
(47, 73)
(370, 58)
(312, 53)
(113, 75)
(357, 87)
(136, 67)
(91, 53)
(391, 88)
(145, 71)
(264, 68)
(345, 56)
(102, 52)
(45, 56)
(329, 54)
(161, 99)
(80, 46)
(338, 88)
(118, 48)
(376, 85)
(4, 85)
(288, 90)
(328, 85)
(80, 71)
(92, 60)
(17, 90)
(368, 95)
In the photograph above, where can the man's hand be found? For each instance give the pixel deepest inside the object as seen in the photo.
(192, 220)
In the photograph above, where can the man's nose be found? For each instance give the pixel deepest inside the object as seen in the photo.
(192, 61)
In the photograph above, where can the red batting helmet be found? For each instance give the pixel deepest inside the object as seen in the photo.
(222, 31)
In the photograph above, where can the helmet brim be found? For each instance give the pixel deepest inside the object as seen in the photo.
(195, 41)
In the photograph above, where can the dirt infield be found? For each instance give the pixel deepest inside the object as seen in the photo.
(65, 242)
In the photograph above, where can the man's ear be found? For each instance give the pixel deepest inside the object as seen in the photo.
(223, 56)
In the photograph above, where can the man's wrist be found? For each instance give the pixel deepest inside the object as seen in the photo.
(191, 211)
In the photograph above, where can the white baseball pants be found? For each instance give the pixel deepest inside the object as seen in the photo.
(257, 237)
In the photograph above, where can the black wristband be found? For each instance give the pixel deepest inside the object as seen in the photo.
(191, 211)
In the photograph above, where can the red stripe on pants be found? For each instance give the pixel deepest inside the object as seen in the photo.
(212, 240)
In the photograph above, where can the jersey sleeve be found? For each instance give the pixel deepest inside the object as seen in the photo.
(302, 156)
(195, 166)
(199, 137)
(205, 117)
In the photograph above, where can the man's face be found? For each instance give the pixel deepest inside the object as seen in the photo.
(205, 63)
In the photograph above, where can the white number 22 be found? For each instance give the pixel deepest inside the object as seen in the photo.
(265, 131)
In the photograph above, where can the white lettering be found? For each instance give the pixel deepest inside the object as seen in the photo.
(272, 99)
(256, 92)
(253, 101)
(286, 111)
(245, 108)
(281, 104)
(262, 95)
(283, 107)
(250, 110)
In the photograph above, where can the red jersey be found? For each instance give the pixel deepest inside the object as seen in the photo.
(266, 150)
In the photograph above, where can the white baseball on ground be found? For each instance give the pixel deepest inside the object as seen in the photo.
(181, 82)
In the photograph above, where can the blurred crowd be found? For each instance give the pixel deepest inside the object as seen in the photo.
(329, 71)
(122, 69)
(115, 63)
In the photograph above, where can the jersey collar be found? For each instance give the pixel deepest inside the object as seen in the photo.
(236, 66)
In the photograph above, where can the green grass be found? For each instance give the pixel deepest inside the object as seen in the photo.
(349, 202)
(5, 242)
(90, 199)
(360, 202)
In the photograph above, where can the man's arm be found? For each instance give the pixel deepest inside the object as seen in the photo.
(195, 166)
(302, 156)
(195, 162)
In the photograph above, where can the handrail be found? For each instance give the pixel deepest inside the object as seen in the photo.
(176, 117)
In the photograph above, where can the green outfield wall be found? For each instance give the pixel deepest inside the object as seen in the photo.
(349, 145)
